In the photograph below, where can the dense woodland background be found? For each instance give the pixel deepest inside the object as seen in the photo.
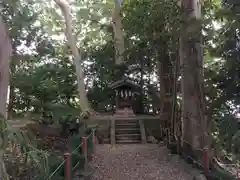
(43, 83)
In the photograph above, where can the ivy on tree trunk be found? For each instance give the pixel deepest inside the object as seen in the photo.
(191, 59)
(118, 33)
(5, 57)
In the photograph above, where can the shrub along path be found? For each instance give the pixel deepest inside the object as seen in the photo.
(138, 162)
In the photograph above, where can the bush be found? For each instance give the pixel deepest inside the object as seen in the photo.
(70, 125)
(153, 128)
(53, 164)
(216, 172)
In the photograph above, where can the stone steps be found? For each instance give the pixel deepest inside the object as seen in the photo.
(130, 126)
(128, 137)
(128, 141)
(106, 141)
(127, 132)
(126, 122)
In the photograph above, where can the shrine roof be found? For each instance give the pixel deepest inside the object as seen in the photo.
(124, 82)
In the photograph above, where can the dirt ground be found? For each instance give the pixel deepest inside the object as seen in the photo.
(138, 162)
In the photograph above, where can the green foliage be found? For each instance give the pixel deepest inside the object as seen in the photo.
(32, 156)
(153, 128)
(43, 81)
(77, 158)
(223, 88)
(145, 14)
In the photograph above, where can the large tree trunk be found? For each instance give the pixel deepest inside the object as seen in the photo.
(12, 94)
(118, 33)
(64, 6)
(191, 60)
(5, 54)
(165, 71)
(175, 108)
(5, 57)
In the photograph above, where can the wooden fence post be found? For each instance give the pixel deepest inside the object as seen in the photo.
(178, 145)
(161, 131)
(84, 149)
(94, 140)
(67, 166)
(143, 132)
(168, 136)
(112, 135)
(206, 161)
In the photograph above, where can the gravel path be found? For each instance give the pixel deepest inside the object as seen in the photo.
(138, 162)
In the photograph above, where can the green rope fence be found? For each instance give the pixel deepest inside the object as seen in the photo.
(211, 173)
(77, 159)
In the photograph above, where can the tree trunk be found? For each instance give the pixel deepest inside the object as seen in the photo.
(118, 33)
(175, 108)
(64, 6)
(5, 57)
(191, 60)
(12, 94)
(166, 85)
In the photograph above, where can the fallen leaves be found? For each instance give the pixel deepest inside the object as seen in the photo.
(141, 162)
